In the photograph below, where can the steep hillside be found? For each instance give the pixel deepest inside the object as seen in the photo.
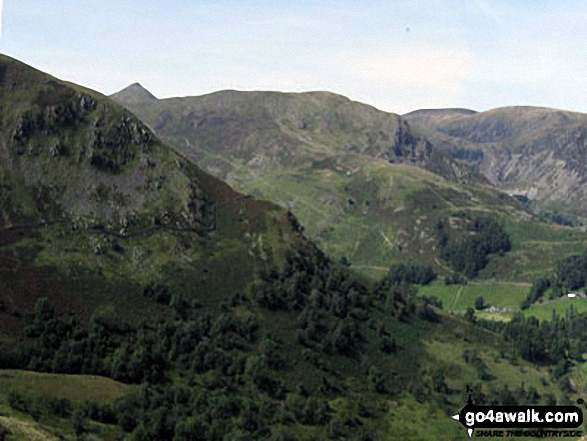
(535, 152)
(156, 303)
(363, 184)
(260, 130)
(91, 201)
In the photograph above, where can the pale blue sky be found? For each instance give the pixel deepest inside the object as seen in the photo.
(396, 55)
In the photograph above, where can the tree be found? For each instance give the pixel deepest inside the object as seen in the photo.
(470, 315)
(78, 422)
(480, 303)
(466, 250)
(376, 380)
(439, 382)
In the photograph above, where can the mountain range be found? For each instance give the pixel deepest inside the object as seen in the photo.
(143, 298)
(369, 186)
(535, 152)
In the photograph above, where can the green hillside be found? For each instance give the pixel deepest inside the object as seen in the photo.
(92, 202)
(143, 299)
(364, 185)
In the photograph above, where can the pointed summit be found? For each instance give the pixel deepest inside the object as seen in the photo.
(133, 94)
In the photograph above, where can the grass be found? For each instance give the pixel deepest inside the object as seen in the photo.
(526, 231)
(409, 419)
(365, 215)
(20, 430)
(76, 388)
(449, 355)
(544, 311)
(457, 298)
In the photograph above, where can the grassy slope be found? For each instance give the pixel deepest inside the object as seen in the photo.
(82, 272)
(457, 298)
(75, 388)
(424, 348)
(351, 202)
(221, 240)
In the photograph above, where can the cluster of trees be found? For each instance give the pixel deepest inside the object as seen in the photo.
(539, 287)
(38, 406)
(455, 279)
(570, 274)
(480, 303)
(558, 218)
(331, 303)
(230, 351)
(505, 396)
(546, 342)
(286, 290)
(236, 371)
(557, 342)
(472, 358)
(466, 249)
(403, 273)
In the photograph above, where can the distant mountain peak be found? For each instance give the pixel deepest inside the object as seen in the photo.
(135, 93)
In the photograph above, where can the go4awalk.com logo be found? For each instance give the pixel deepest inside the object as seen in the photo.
(518, 421)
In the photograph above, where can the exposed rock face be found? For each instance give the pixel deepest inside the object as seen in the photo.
(535, 152)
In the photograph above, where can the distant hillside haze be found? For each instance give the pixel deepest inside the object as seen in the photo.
(532, 151)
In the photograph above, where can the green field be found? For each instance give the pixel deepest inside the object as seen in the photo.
(544, 311)
(458, 298)
(76, 388)
(536, 247)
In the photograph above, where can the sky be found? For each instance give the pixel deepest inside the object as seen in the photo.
(397, 55)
